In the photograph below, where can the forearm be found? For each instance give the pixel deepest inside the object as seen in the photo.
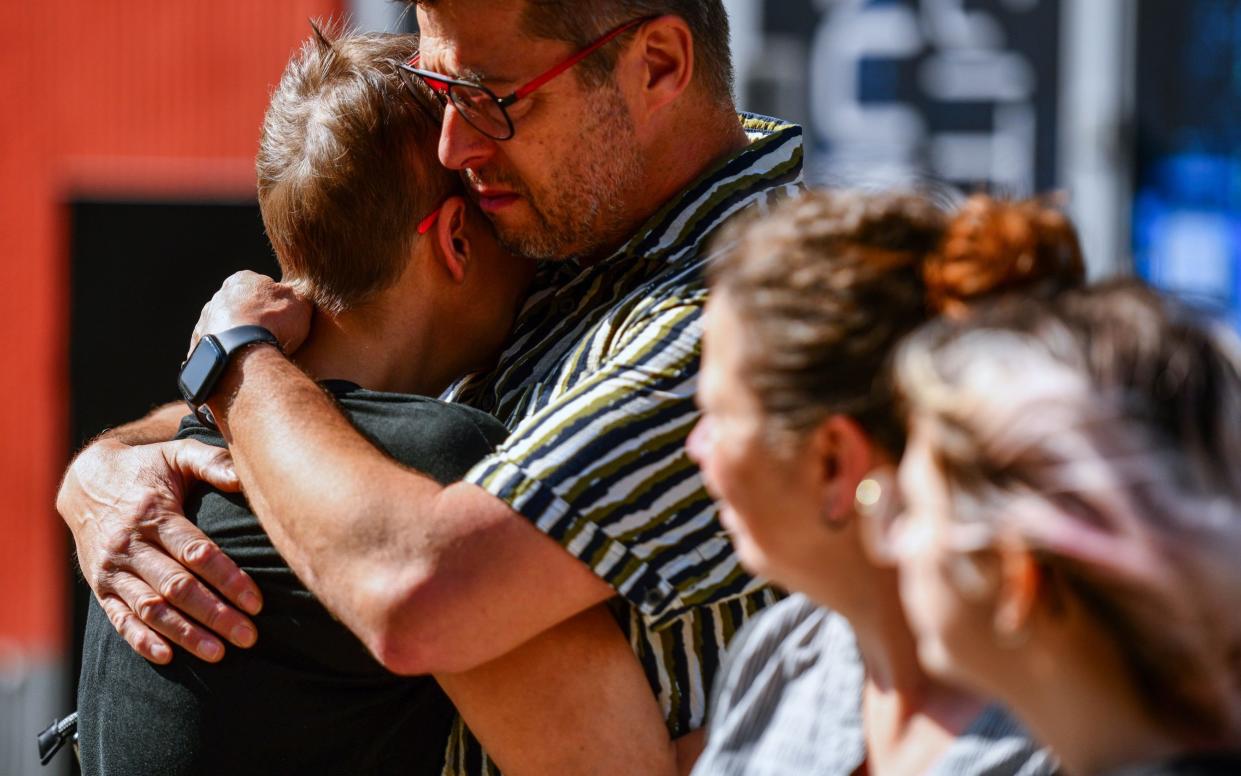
(573, 700)
(159, 425)
(415, 569)
(688, 749)
(320, 489)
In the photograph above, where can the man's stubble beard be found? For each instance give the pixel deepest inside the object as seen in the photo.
(583, 209)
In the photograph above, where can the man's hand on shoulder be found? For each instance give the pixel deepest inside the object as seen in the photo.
(151, 568)
(250, 299)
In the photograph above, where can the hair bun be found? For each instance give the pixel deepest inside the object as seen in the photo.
(994, 246)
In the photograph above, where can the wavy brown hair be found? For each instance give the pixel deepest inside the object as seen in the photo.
(830, 281)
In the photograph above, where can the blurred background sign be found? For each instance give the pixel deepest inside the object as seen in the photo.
(889, 91)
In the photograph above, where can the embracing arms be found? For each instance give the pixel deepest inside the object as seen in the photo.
(417, 570)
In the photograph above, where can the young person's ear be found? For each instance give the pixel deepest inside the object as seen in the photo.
(662, 59)
(452, 242)
(845, 456)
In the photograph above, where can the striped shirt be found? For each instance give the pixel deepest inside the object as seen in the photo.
(788, 702)
(597, 385)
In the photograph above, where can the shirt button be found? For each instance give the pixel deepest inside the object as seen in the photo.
(653, 598)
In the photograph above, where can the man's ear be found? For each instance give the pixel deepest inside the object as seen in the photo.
(845, 457)
(662, 55)
(452, 243)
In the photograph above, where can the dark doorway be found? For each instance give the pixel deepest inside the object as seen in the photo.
(140, 272)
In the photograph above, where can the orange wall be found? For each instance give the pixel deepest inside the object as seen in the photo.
(142, 97)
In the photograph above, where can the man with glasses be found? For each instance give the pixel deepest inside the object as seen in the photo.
(601, 137)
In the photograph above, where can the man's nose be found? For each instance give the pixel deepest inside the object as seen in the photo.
(462, 146)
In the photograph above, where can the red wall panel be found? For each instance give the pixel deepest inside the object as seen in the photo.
(143, 97)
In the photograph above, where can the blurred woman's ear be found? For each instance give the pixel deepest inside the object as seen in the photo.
(845, 456)
(1018, 588)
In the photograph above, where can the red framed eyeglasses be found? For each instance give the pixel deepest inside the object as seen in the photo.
(481, 107)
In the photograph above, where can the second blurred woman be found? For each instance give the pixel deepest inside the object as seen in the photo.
(1073, 525)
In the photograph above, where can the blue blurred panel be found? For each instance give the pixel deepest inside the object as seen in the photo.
(1187, 212)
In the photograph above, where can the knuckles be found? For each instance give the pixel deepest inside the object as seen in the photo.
(117, 544)
(197, 553)
(177, 587)
(150, 608)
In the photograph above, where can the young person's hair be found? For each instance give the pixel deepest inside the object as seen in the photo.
(1102, 430)
(346, 166)
(579, 22)
(830, 281)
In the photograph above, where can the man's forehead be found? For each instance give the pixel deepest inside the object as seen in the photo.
(473, 37)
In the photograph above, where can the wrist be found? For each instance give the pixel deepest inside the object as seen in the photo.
(213, 355)
(95, 456)
(232, 381)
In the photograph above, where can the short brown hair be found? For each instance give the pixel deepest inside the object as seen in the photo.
(346, 166)
(580, 22)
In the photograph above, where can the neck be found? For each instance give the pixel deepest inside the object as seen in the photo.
(1076, 695)
(674, 160)
(379, 351)
(884, 639)
(909, 718)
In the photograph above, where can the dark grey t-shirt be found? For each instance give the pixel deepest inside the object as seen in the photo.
(788, 703)
(308, 698)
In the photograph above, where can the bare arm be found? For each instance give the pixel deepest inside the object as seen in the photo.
(158, 425)
(572, 700)
(415, 569)
(689, 748)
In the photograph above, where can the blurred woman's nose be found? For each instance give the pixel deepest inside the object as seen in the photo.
(699, 443)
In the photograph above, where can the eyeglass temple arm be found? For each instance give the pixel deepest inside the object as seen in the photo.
(425, 224)
(573, 60)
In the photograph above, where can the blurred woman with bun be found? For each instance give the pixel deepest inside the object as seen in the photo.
(808, 304)
(1072, 525)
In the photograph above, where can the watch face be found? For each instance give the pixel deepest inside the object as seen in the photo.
(201, 369)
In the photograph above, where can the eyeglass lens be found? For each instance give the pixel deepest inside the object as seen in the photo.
(480, 108)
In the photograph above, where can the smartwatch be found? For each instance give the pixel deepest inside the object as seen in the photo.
(202, 370)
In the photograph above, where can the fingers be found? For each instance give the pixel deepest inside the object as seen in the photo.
(212, 465)
(191, 602)
(141, 555)
(141, 615)
(250, 298)
(140, 638)
(191, 548)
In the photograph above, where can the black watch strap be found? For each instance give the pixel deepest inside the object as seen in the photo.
(236, 338)
(210, 359)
